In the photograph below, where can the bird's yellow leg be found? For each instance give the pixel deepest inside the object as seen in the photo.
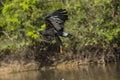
(61, 49)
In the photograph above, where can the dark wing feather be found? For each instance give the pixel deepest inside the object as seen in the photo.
(56, 19)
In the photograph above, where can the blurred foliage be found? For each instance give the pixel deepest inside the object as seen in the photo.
(93, 22)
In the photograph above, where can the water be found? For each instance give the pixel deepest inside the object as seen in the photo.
(83, 72)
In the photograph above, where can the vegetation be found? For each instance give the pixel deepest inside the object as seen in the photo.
(94, 23)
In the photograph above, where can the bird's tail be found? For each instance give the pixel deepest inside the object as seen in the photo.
(70, 36)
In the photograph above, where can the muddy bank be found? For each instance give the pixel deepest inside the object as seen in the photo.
(39, 57)
(15, 66)
(61, 63)
(19, 65)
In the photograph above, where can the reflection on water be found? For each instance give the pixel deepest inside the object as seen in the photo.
(92, 72)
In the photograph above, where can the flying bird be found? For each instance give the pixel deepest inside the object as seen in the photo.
(54, 23)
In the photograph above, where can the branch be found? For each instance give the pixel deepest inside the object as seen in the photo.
(6, 35)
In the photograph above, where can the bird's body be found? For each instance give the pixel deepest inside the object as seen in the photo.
(55, 25)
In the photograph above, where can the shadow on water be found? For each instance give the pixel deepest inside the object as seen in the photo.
(83, 72)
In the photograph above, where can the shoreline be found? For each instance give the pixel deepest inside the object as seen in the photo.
(15, 67)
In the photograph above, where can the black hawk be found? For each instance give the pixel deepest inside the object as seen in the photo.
(55, 25)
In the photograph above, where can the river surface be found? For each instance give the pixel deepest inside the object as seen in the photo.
(83, 72)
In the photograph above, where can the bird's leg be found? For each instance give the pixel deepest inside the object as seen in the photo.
(61, 49)
(59, 42)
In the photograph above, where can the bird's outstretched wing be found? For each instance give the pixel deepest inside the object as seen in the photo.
(56, 20)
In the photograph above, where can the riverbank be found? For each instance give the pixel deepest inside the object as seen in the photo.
(86, 72)
(16, 67)
(30, 58)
